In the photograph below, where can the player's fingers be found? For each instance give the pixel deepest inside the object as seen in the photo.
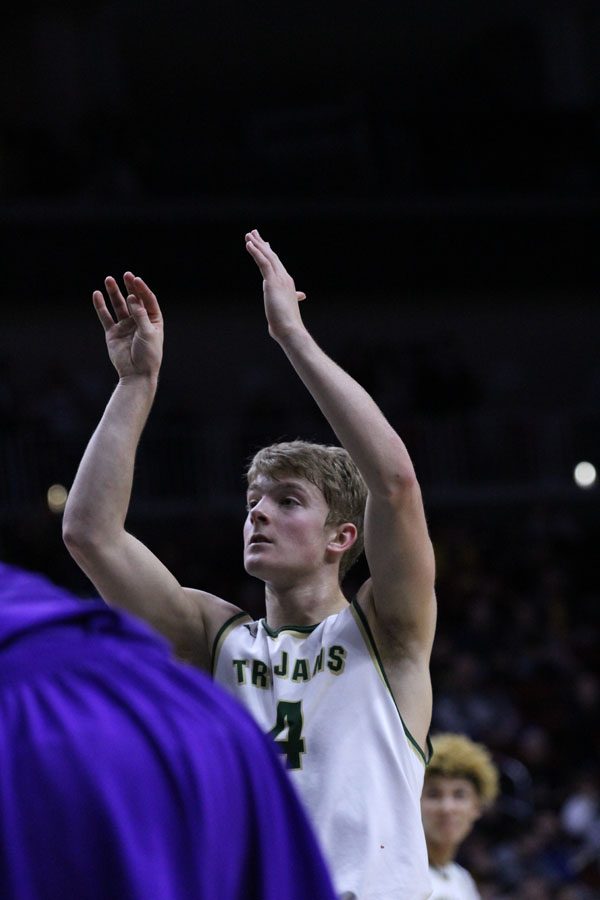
(257, 236)
(137, 311)
(265, 248)
(278, 266)
(300, 295)
(102, 310)
(147, 297)
(263, 245)
(116, 298)
(259, 258)
(129, 279)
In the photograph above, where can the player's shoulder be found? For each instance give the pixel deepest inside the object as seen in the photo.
(465, 880)
(467, 877)
(453, 880)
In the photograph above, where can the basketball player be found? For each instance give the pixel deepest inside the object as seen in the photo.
(460, 783)
(344, 689)
(126, 775)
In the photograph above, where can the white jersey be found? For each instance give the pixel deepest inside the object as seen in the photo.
(322, 694)
(452, 882)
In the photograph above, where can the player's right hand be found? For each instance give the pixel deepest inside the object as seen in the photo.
(135, 339)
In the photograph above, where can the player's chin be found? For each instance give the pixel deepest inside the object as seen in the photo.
(256, 566)
(451, 832)
(263, 565)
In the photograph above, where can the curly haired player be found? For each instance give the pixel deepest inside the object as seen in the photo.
(460, 783)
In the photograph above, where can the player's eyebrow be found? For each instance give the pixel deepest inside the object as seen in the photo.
(291, 486)
(276, 485)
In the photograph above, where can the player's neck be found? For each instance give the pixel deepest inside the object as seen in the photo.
(304, 603)
(440, 854)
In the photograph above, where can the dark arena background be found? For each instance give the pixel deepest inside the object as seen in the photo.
(430, 174)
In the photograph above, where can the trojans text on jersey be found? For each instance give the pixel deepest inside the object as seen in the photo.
(261, 674)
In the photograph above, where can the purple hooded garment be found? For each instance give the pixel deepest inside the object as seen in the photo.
(125, 776)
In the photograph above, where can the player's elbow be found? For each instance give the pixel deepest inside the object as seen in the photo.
(394, 474)
(75, 540)
(398, 484)
(81, 537)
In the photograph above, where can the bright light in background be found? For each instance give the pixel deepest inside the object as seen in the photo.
(57, 497)
(584, 474)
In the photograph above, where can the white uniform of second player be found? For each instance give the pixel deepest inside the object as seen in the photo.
(452, 882)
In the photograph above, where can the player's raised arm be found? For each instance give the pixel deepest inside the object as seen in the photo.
(122, 569)
(400, 599)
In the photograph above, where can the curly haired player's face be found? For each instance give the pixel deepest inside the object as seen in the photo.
(285, 535)
(449, 808)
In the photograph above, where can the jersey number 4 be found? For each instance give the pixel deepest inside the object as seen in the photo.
(289, 718)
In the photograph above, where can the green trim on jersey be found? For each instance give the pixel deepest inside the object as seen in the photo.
(365, 630)
(222, 634)
(295, 630)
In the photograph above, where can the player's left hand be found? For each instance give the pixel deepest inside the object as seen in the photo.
(280, 294)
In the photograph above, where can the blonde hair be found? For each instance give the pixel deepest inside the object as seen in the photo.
(457, 756)
(332, 470)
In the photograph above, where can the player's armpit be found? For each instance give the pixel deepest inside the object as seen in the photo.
(405, 662)
(195, 647)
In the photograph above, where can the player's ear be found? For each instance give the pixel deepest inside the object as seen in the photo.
(342, 539)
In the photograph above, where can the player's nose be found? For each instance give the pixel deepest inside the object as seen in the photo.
(258, 513)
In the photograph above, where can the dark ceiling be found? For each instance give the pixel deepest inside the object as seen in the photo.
(445, 144)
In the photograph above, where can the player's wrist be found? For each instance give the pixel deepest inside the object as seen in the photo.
(139, 380)
(290, 336)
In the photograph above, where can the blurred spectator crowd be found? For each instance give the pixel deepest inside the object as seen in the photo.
(516, 666)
